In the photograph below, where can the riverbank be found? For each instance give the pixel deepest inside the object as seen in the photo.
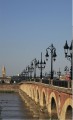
(9, 88)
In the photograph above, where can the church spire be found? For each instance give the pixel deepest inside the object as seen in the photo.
(3, 71)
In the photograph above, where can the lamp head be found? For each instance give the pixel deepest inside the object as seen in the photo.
(70, 48)
(54, 54)
(38, 62)
(32, 64)
(47, 55)
(66, 47)
(44, 62)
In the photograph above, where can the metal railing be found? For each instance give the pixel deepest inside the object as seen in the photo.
(60, 83)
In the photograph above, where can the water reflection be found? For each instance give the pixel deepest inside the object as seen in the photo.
(12, 107)
(0, 112)
(39, 113)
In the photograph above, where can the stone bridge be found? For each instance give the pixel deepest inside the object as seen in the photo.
(57, 100)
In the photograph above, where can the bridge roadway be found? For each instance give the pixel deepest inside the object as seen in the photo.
(57, 100)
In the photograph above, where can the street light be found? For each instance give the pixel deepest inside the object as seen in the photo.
(24, 73)
(68, 49)
(29, 69)
(42, 65)
(66, 69)
(53, 57)
(34, 64)
(59, 73)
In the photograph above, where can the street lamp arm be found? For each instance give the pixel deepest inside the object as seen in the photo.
(42, 67)
(53, 56)
(34, 59)
(68, 56)
(51, 48)
(48, 48)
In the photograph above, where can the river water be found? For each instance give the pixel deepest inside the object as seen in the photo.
(13, 108)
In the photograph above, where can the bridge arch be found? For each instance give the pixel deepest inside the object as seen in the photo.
(43, 98)
(67, 107)
(47, 96)
(37, 94)
(54, 113)
(33, 93)
(68, 115)
(30, 91)
(52, 104)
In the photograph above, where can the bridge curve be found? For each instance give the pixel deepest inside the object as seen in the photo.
(57, 100)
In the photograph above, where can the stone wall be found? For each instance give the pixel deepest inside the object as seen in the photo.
(46, 95)
(37, 111)
(9, 87)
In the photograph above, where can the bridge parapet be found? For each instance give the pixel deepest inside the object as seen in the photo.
(60, 83)
(60, 89)
(46, 95)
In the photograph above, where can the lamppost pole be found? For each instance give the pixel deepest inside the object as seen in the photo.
(51, 63)
(71, 68)
(35, 68)
(53, 56)
(24, 73)
(72, 59)
(68, 56)
(66, 69)
(27, 71)
(41, 67)
(30, 70)
(59, 73)
(35, 64)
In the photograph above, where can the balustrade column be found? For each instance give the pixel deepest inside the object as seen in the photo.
(68, 84)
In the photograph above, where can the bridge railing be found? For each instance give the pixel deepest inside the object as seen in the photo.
(60, 83)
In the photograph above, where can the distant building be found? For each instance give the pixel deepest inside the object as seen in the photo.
(68, 77)
(4, 78)
(3, 71)
(62, 77)
(65, 77)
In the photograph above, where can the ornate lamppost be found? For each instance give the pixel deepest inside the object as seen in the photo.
(68, 55)
(24, 73)
(27, 70)
(34, 64)
(66, 69)
(30, 69)
(59, 73)
(41, 65)
(53, 57)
